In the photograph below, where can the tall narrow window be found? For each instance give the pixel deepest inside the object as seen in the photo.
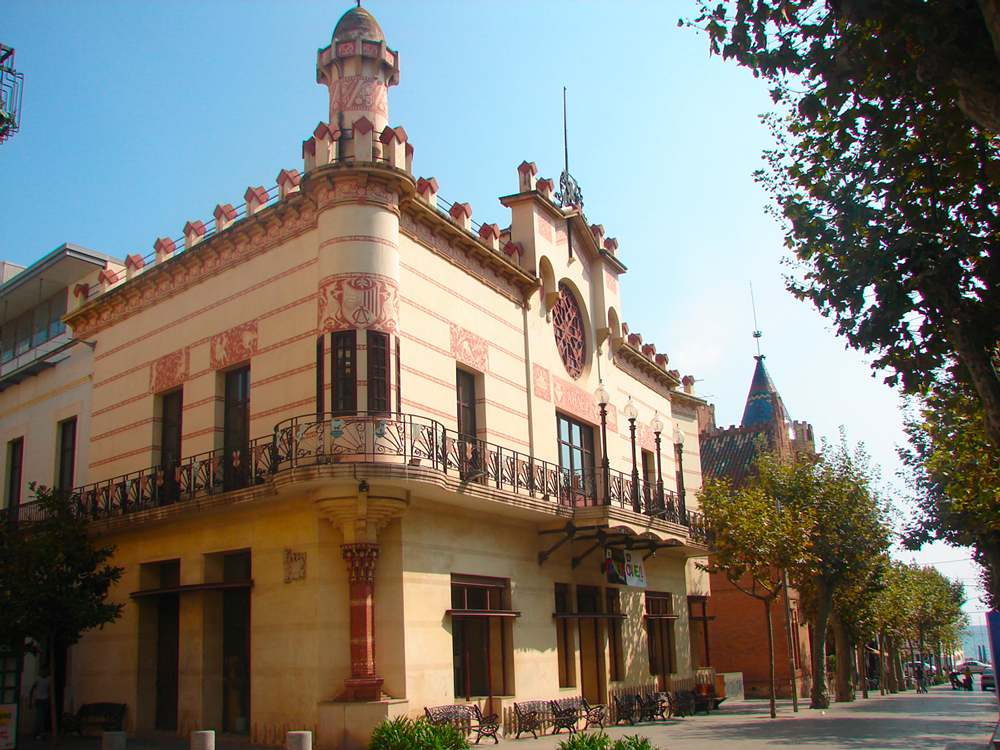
(481, 638)
(470, 451)
(171, 423)
(565, 645)
(344, 394)
(612, 606)
(67, 454)
(649, 482)
(320, 376)
(660, 635)
(399, 381)
(378, 371)
(236, 429)
(576, 460)
(699, 618)
(15, 460)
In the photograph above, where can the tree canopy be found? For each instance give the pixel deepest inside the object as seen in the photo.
(957, 482)
(54, 580)
(886, 173)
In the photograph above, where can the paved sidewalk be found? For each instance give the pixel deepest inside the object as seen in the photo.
(942, 719)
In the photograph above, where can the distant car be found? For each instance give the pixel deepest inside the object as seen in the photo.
(976, 667)
(988, 681)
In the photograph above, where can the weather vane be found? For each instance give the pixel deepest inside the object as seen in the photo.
(756, 334)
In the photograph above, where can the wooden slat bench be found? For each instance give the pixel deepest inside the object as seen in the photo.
(104, 717)
(468, 717)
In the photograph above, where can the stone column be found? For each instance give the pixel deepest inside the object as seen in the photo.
(364, 684)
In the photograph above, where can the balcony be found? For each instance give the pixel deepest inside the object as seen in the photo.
(362, 438)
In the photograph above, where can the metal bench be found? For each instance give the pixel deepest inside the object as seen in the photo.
(566, 712)
(105, 717)
(653, 706)
(467, 717)
(531, 715)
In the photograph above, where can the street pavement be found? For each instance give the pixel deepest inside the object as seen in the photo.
(943, 719)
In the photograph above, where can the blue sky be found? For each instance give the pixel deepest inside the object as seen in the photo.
(140, 116)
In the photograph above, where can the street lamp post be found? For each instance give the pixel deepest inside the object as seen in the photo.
(657, 425)
(631, 413)
(603, 399)
(679, 437)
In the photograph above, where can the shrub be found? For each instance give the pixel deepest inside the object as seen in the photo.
(601, 741)
(403, 733)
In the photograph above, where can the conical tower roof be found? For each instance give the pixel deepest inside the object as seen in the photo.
(764, 404)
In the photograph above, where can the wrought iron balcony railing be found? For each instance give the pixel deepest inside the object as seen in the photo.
(371, 438)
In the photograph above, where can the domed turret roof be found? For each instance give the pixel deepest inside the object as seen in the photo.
(358, 22)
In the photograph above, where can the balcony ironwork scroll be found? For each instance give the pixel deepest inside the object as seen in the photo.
(415, 441)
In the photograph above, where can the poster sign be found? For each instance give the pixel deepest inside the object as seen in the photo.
(8, 726)
(624, 568)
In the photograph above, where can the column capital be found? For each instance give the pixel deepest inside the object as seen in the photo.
(360, 559)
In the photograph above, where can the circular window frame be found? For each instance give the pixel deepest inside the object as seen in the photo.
(570, 331)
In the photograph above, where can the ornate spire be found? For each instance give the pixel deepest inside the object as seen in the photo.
(764, 404)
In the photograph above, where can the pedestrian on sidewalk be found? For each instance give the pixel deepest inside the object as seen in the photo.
(40, 694)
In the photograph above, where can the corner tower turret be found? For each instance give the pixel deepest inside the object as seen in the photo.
(358, 69)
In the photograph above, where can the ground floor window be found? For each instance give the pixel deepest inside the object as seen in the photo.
(481, 619)
(699, 618)
(616, 659)
(565, 644)
(660, 635)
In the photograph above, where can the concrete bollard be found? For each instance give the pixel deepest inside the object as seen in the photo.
(298, 740)
(203, 740)
(113, 741)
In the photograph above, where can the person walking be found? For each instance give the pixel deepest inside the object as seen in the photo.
(40, 695)
(967, 679)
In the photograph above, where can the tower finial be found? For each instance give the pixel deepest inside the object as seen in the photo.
(756, 334)
(569, 194)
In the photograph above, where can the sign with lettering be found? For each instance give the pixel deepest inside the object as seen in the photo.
(624, 568)
(8, 726)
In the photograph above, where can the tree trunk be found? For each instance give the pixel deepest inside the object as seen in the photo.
(881, 663)
(818, 696)
(863, 668)
(893, 684)
(844, 687)
(770, 656)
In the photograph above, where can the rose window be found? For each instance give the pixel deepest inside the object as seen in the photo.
(568, 326)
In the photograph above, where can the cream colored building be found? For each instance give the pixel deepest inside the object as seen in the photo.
(349, 446)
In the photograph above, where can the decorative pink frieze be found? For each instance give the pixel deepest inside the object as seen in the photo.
(427, 190)
(541, 382)
(288, 182)
(225, 215)
(233, 346)
(164, 247)
(349, 191)
(544, 228)
(490, 234)
(345, 48)
(360, 301)
(545, 187)
(370, 49)
(526, 176)
(470, 349)
(462, 214)
(107, 277)
(133, 265)
(359, 94)
(256, 198)
(573, 399)
(169, 371)
(193, 233)
(611, 281)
